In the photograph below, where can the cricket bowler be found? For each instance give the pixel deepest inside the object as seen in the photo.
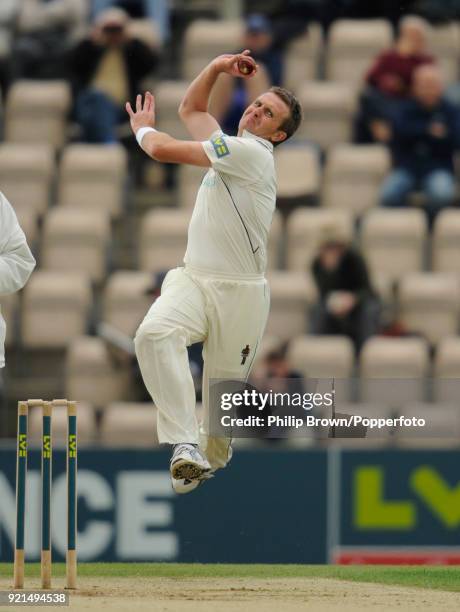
(220, 297)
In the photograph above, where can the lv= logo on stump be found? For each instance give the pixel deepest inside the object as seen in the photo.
(46, 471)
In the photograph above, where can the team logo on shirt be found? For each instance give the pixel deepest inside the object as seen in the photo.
(220, 146)
(245, 354)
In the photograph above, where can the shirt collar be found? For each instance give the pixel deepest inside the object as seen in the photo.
(263, 141)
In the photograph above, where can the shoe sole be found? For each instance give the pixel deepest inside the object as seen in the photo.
(187, 470)
(184, 489)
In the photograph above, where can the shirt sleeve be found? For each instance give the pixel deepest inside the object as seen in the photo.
(242, 158)
(16, 259)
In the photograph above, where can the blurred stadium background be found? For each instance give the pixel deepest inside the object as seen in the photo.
(104, 222)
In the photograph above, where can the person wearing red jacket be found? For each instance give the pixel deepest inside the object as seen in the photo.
(389, 80)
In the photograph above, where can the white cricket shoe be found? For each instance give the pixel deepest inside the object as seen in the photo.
(186, 485)
(188, 463)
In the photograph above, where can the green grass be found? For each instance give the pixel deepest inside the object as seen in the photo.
(436, 577)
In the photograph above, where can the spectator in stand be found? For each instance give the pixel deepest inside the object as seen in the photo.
(347, 302)
(106, 69)
(232, 96)
(259, 38)
(156, 10)
(44, 30)
(426, 134)
(389, 81)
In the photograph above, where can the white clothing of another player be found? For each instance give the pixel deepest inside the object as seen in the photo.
(16, 261)
(220, 297)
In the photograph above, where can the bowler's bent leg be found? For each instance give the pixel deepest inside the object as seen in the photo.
(176, 320)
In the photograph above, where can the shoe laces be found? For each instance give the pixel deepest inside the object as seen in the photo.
(178, 448)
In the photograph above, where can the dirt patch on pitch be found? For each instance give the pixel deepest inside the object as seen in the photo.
(248, 595)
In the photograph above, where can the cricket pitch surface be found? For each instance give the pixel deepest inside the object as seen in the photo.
(258, 588)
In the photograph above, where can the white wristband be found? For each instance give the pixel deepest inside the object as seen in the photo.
(141, 132)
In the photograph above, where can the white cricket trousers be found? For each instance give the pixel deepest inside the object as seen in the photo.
(227, 315)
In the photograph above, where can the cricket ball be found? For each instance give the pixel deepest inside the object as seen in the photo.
(245, 66)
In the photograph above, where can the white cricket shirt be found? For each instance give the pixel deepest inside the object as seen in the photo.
(16, 261)
(234, 207)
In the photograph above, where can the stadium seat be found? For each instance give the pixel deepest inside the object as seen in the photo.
(401, 365)
(304, 227)
(353, 176)
(93, 176)
(442, 425)
(446, 241)
(327, 364)
(301, 57)
(9, 309)
(393, 241)
(26, 175)
(163, 239)
(145, 30)
(86, 425)
(446, 370)
(429, 304)
(36, 111)
(93, 375)
(291, 294)
(77, 240)
(55, 308)
(205, 39)
(5, 41)
(322, 356)
(28, 220)
(383, 357)
(444, 44)
(129, 424)
(125, 302)
(297, 171)
(188, 182)
(168, 96)
(328, 110)
(447, 358)
(353, 45)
